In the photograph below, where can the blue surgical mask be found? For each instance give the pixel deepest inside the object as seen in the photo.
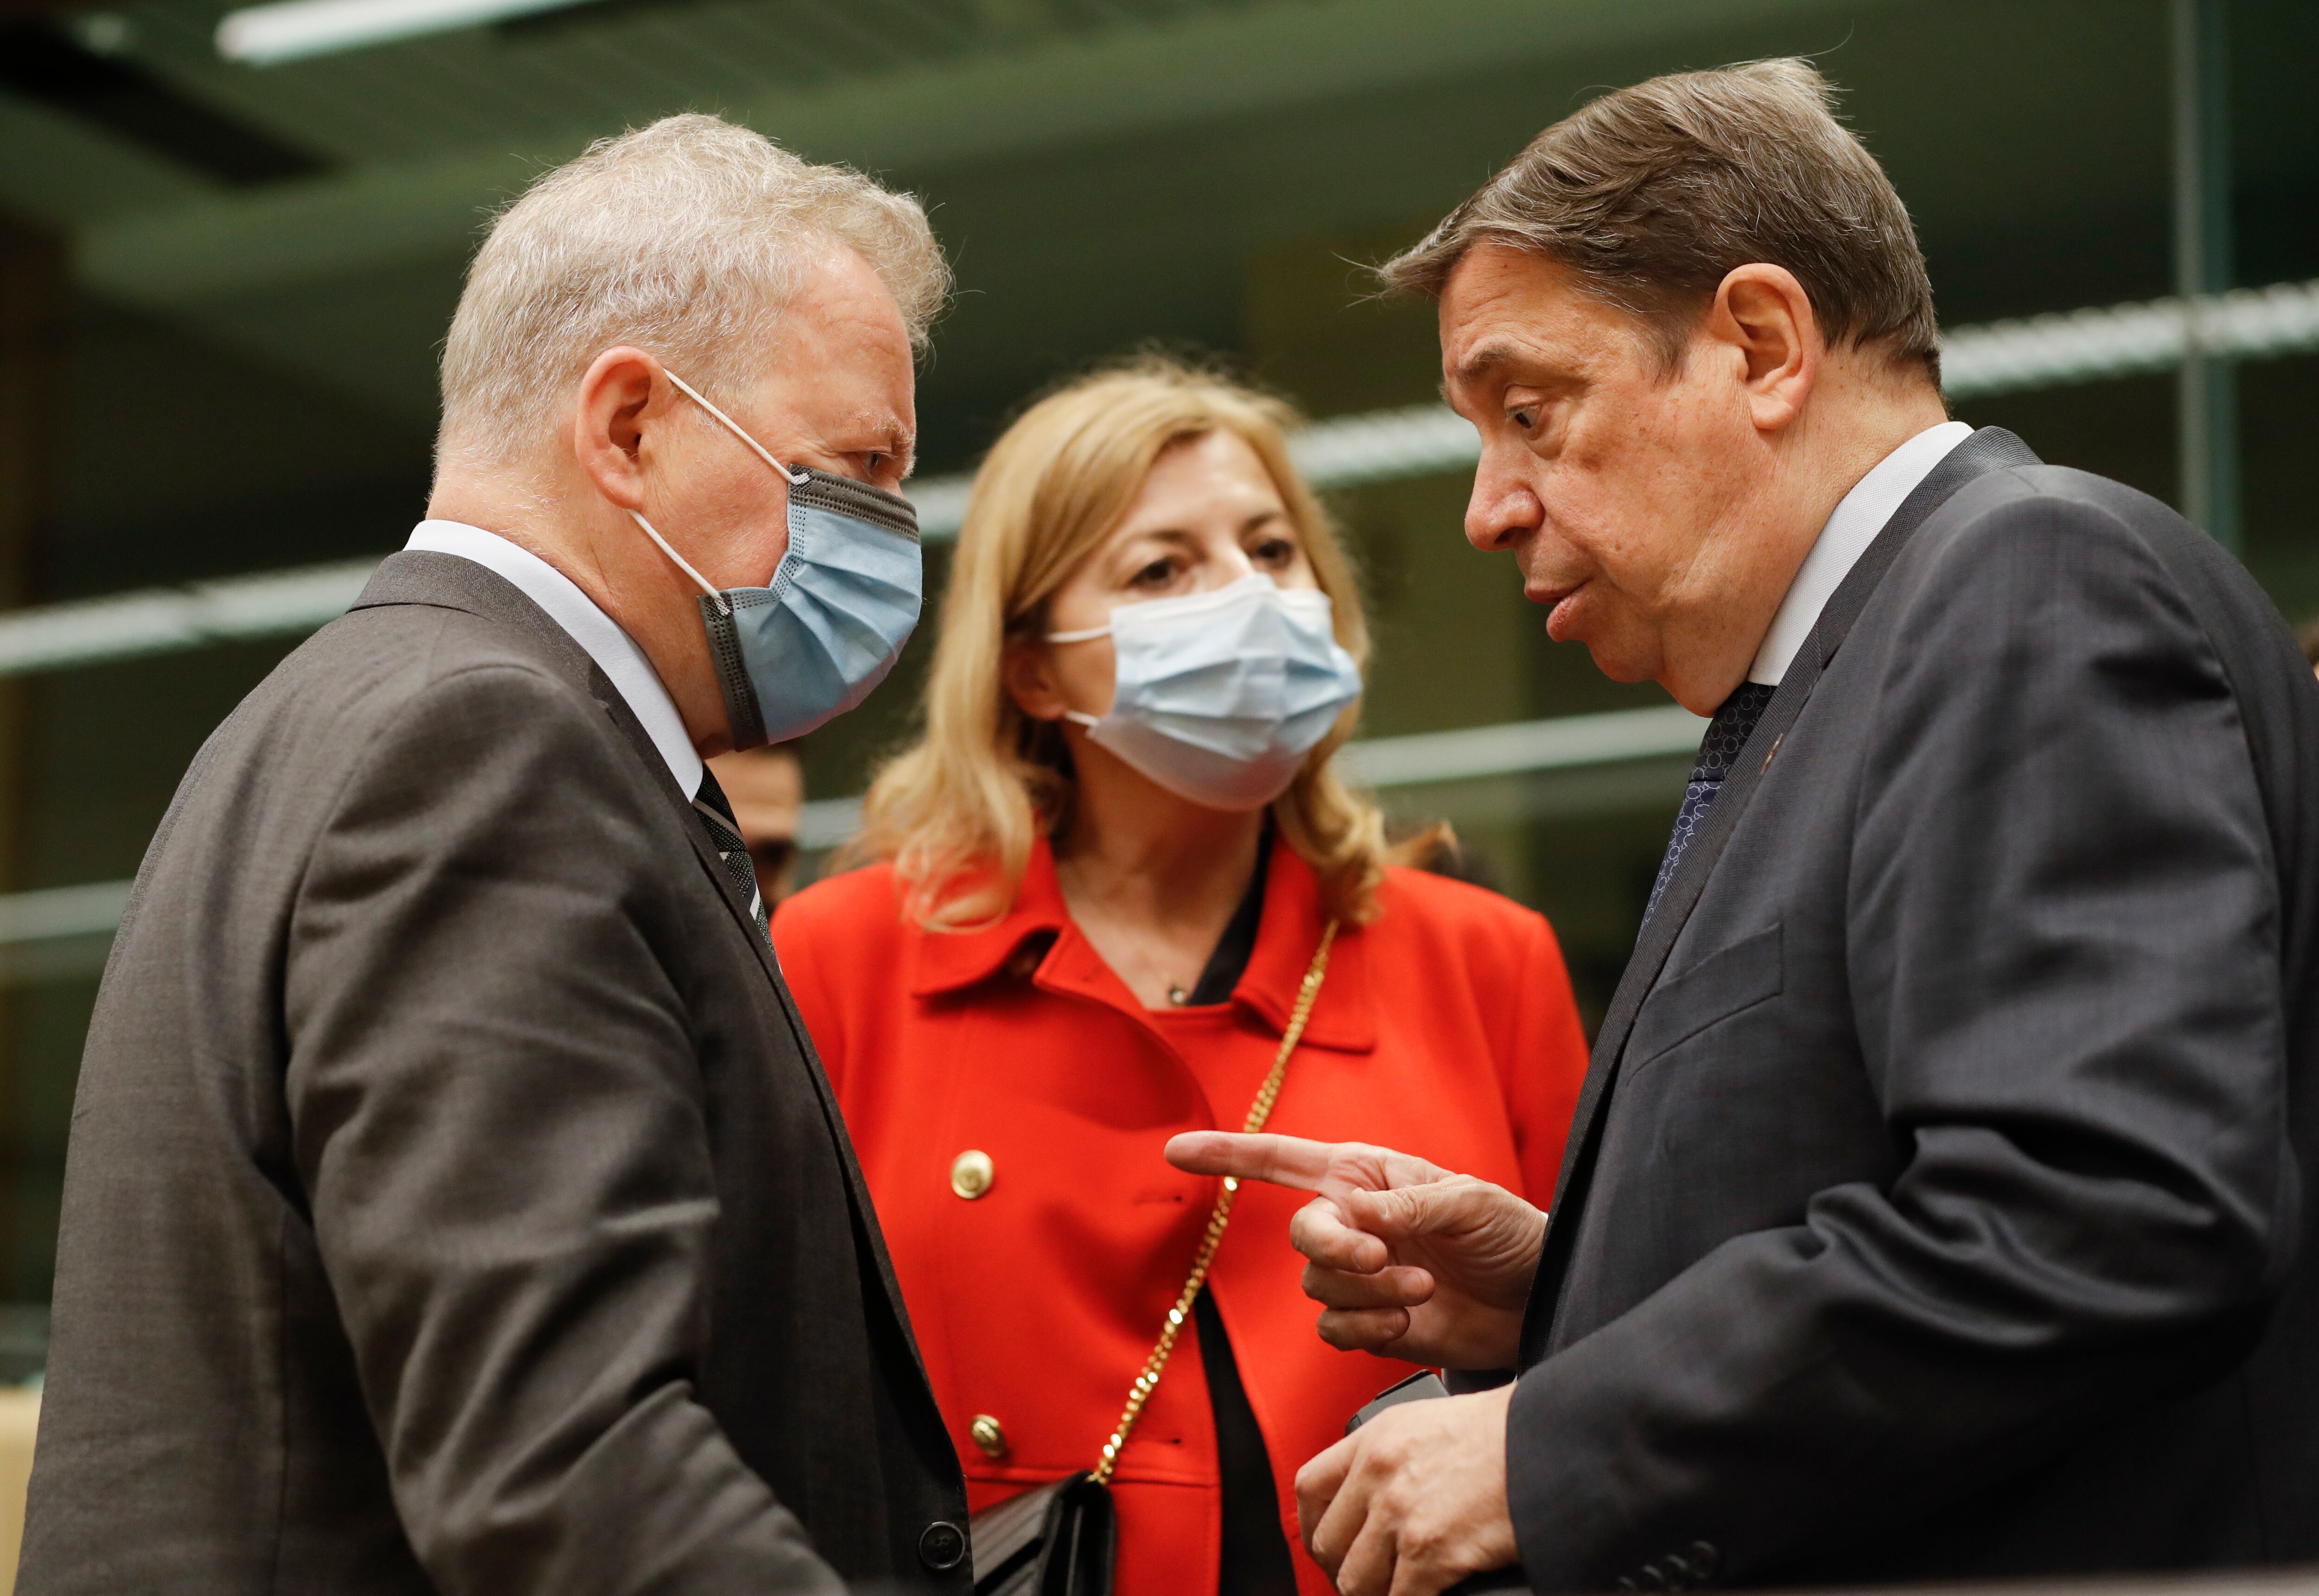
(1219, 696)
(810, 645)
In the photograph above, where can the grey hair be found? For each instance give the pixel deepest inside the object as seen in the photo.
(1651, 194)
(685, 238)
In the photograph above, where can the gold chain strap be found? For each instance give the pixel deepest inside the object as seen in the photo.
(1259, 1111)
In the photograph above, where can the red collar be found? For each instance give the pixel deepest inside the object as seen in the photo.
(1343, 1018)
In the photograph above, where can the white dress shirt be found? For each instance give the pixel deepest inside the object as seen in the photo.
(615, 652)
(1851, 528)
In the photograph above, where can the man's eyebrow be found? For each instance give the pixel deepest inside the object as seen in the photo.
(1486, 358)
(898, 439)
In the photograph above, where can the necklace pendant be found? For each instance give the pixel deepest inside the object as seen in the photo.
(1177, 996)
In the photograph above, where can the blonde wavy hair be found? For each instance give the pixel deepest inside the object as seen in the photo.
(958, 812)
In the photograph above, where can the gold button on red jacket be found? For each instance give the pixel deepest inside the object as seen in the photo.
(1037, 1272)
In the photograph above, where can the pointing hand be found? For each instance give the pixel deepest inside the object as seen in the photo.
(1406, 1259)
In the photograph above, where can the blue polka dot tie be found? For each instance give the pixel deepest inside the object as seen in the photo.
(1727, 735)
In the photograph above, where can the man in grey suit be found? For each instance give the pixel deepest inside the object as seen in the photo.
(455, 1202)
(1935, 1206)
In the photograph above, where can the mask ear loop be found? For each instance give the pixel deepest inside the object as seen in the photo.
(1085, 635)
(740, 432)
(683, 564)
(700, 399)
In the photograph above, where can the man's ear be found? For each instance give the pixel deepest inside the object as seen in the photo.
(1028, 672)
(623, 398)
(1766, 316)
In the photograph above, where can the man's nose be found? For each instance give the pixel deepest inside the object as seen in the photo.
(1502, 510)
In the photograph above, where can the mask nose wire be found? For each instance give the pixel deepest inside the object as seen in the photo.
(737, 430)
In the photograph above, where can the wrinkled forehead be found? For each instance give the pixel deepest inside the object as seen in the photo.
(1512, 315)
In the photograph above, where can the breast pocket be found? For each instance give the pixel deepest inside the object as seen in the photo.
(1727, 982)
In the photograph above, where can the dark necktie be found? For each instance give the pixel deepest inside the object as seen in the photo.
(1727, 735)
(732, 849)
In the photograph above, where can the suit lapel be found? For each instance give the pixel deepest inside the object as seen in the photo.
(704, 851)
(1991, 448)
(449, 581)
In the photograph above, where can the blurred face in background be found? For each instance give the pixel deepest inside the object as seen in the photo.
(1641, 505)
(1207, 514)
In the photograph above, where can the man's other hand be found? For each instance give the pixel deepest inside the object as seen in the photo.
(1406, 1259)
(1414, 1500)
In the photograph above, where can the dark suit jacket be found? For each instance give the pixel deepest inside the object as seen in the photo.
(1932, 1206)
(453, 1199)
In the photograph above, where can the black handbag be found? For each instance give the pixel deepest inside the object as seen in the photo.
(1062, 1539)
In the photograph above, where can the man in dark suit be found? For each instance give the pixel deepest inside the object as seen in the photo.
(1936, 1205)
(455, 1202)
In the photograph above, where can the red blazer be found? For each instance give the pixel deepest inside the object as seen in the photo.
(1445, 1028)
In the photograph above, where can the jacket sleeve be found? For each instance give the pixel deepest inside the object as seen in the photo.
(499, 1125)
(2063, 944)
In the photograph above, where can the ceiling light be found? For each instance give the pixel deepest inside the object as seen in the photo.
(292, 30)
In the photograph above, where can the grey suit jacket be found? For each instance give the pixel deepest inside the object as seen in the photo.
(1935, 1205)
(454, 1200)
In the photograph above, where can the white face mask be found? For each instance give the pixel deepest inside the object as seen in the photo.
(1220, 695)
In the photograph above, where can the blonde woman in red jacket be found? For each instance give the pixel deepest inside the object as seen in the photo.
(1103, 877)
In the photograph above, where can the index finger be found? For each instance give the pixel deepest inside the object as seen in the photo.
(1284, 1161)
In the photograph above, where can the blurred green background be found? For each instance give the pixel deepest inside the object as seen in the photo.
(222, 289)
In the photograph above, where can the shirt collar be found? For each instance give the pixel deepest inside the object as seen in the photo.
(1851, 528)
(615, 652)
(1036, 940)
